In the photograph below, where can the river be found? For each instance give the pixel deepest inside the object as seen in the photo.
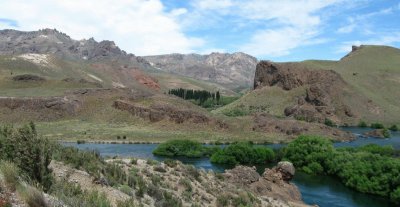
(325, 191)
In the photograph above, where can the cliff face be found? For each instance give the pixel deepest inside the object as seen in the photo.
(233, 70)
(323, 90)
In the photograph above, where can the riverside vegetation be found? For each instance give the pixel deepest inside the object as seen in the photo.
(369, 169)
(36, 172)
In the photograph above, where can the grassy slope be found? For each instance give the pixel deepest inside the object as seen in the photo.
(99, 120)
(373, 72)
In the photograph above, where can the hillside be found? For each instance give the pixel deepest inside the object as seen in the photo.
(235, 71)
(363, 85)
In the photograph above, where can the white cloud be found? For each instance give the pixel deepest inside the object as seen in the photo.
(138, 26)
(363, 21)
(277, 42)
(386, 39)
(298, 25)
(212, 4)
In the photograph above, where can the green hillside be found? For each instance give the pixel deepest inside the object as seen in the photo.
(373, 76)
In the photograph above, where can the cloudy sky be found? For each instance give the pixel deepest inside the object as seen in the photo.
(284, 30)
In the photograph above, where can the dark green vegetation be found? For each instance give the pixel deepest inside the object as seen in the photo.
(184, 148)
(30, 153)
(377, 126)
(25, 155)
(362, 124)
(197, 95)
(243, 153)
(233, 154)
(369, 169)
(394, 128)
(203, 98)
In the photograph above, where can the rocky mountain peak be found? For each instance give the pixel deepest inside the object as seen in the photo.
(54, 42)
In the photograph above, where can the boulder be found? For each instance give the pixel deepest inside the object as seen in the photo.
(286, 169)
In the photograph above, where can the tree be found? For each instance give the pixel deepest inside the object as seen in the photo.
(218, 96)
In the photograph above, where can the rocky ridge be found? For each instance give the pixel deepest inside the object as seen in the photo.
(51, 41)
(324, 89)
(234, 70)
(191, 186)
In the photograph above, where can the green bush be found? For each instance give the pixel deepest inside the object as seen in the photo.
(329, 122)
(170, 162)
(235, 112)
(377, 126)
(28, 151)
(362, 124)
(10, 174)
(243, 153)
(386, 133)
(185, 148)
(368, 169)
(394, 128)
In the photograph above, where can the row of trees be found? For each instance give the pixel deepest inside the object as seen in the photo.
(198, 95)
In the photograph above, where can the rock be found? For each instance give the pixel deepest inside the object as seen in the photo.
(242, 175)
(378, 133)
(273, 183)
(286, 169)
(324, 90)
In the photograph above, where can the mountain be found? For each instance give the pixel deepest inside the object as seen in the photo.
(363, 85)
(235, 71)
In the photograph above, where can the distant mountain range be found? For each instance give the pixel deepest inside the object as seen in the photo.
(232, 70)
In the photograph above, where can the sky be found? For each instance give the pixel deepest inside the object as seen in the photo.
(284, 30)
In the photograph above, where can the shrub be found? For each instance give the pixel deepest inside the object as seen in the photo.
(28, 151)
(32, 196)
(394, 128)
(368, 169)
(308, 149)
(186, 183)
(10, 174)
(133, 161)
(170, 162)
(193, 172)
(126, 189)
(159, 168)
(126, 203)
(242, 153)
(377, 126)
(362, 124)
(186, 148)
(223, 200)
(80, 141)
(329, 122)
(386, 133)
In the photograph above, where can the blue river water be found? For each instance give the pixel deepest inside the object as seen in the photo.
(325, 191)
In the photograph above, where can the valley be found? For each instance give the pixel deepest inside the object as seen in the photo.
(71, 94)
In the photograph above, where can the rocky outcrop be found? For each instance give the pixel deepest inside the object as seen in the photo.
(164, 112)
(273, 182)
(292, 128)
(323, 90)
(48, 108)
(377, 133)
(233, 70)
(186, 185)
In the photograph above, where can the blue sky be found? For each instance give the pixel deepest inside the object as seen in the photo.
(285, 30)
